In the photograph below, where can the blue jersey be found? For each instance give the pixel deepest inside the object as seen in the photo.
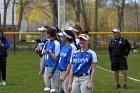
(41, 42)
(40, 46)
(44, 39)
(54, 47)
(82, 61)
(65, 55)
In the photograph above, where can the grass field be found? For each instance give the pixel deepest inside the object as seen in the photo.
(22, 74)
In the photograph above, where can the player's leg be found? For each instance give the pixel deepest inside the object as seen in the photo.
(83, 82)
(55, 82)
(75, 85)
(65, 83)
(46, 80)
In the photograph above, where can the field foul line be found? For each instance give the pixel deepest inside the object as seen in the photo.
(119, 74)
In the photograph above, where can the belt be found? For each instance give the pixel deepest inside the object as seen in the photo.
(62, 69)
(83, 74)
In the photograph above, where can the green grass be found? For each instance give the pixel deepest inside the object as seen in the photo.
(105, 83)
(22, 74)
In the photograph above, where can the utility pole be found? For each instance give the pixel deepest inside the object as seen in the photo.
(61, 12)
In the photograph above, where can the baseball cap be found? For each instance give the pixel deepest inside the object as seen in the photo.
(60, 33)
(42, 29)
(84, 36)
(72, 29)
(65, 34)
(116, 30)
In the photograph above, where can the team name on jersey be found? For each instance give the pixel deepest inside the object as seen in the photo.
(63, 54)
(80, 60)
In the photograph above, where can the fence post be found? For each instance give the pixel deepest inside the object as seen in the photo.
(14, 45)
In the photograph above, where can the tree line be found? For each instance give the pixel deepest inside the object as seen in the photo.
(92, 15)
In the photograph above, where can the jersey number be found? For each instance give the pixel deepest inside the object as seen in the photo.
(60, 59)
(79, 66)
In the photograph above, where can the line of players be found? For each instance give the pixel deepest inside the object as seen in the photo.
(66, 62)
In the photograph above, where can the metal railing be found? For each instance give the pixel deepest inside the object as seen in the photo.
(91, 33)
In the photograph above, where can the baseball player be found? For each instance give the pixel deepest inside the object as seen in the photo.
(41, 42)
(52, 84)
(64, 57)
(76, 31)
(83, 68)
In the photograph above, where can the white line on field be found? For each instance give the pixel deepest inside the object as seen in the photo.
(119, 74)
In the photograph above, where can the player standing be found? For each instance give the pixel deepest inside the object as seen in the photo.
(83, 68)
(52, 85)
(64, 57)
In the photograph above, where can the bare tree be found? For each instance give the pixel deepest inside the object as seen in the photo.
(78, 11)
(20, 15)
(120, 7)
(43, 9)
(121, 18)
(22, 7)
(13, 25)
(6, 3)
(53, 4)
(102, 3)
(13, 13)
(95, 23)
(41, 5)
(137, 16)
(77, 8)
(86, 21)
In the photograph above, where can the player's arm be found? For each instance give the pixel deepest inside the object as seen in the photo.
(74, 49)
(53, 56)
(66, 73)
(55, 66)
(37, 50)
(42, 67)
(92, 77)
(42, 62)
(94, 60)
(70, 79)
